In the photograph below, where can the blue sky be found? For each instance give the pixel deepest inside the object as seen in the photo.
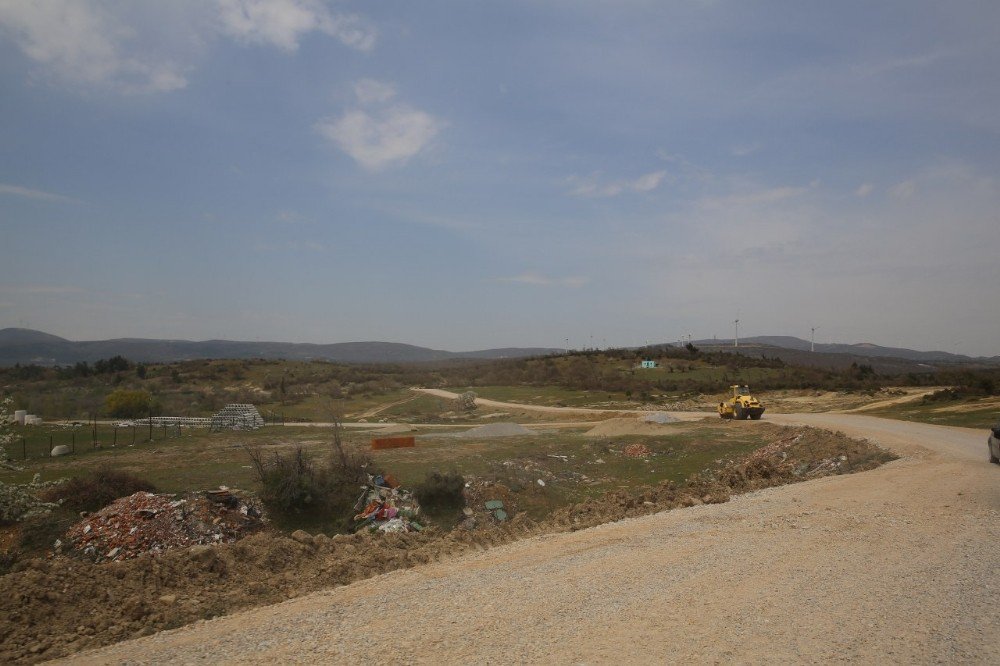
(470, 175)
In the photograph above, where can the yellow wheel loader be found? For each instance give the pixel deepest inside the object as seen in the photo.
(742, 405)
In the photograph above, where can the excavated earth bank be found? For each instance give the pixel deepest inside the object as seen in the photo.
(59, 606)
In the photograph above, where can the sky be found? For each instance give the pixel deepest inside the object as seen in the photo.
(466, 175)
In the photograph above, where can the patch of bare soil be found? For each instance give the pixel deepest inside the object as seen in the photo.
(630, 425)
(57, 606)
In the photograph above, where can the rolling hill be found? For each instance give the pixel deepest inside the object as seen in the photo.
(24, 346)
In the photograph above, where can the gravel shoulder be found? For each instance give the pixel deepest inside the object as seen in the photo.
(897, 564)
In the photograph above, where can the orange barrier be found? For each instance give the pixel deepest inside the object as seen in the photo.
(393, 442)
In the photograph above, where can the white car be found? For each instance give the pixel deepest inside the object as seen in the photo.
(993, 443)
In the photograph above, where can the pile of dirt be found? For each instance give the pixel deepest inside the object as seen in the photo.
(495, 430)
(56, 606)
(148, 523)
(630, 425)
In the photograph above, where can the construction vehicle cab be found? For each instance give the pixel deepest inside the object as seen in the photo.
(742, 405)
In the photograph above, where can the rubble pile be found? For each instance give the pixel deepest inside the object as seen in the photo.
(385, 507)
(636, 450)
(152, 523)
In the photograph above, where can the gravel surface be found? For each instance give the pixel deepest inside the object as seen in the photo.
(897, 564)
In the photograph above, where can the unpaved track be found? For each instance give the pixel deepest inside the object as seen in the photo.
(894, 565)
(486, 402)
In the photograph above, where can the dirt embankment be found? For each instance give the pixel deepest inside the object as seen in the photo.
(56, 607)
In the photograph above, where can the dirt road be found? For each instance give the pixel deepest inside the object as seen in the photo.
(898, 564)
(486, 402)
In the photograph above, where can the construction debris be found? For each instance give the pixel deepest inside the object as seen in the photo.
(660, 417)
(385, 507)
(495, 507)
(234, 416)
(153, 523)
(636, 450)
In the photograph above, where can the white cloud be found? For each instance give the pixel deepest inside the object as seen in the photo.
(903, 190)
(81, 44)
(18, 191)
(370, 91)
(591, 186)
(140, 48)
(378, 134)
(750, 199)
(864, 190)
(537, 279)
(282, 23)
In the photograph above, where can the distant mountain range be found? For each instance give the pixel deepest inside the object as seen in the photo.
(885, 360)
(25, 346)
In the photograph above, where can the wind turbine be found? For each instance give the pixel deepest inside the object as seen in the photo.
(736, 340)
(812, 339)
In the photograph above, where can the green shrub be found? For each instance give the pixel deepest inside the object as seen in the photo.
(441, 491)
(294, 484)
(128, 404)
(97, 489)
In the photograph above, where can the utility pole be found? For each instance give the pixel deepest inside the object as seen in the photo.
(812, 339)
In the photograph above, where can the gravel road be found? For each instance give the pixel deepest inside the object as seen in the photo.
(894, 565)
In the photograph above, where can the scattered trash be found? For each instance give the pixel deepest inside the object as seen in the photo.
(541, 483)
(153, 523)
(495, 507)
(383, 506)
(563, 458)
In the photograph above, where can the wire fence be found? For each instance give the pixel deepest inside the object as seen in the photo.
(82, 437)
(76, 439)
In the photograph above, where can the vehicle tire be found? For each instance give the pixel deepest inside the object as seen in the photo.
(993, 458)
(755, 416)
(738, 413)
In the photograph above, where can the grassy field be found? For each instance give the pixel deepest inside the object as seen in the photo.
(975, 413)
(572, 466)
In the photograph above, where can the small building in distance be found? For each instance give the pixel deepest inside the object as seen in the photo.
(648, 363)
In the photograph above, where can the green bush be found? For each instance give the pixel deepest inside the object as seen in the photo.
(294, 484)
(97, 489)
(128, 404)
(441, 491)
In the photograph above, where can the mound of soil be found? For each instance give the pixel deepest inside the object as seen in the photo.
(621, 427)
(57, 606)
